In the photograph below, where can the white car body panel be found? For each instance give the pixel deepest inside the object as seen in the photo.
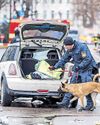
(4, 67)
(22, 84)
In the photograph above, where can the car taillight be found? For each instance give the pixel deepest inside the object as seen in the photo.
(12, 70)
(42, 91)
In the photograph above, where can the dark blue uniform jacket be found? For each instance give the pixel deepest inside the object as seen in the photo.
(80, 56)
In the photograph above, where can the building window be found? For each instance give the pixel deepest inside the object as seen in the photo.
(52, 14)
(45, 14)
(36, 14)
(60, 15)
(67, 14)
(52, 1)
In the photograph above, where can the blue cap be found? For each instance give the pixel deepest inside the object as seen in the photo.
(68, 41)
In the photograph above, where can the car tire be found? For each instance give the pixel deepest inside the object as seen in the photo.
(6, 99)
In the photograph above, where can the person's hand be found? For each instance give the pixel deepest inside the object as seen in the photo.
(51, 68)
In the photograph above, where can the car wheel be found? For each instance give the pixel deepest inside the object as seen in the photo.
(6, 99)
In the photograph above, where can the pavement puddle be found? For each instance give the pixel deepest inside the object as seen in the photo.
(9, 120)
(76, 120)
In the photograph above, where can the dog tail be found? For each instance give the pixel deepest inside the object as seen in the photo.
(95, 77)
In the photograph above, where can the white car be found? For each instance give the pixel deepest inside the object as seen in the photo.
(39, 40)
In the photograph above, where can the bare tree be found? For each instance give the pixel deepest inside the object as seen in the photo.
(2, 3)
(88, 10)
(28, 4)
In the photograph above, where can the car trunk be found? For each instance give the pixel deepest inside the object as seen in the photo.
(30, 58)
(47, 36)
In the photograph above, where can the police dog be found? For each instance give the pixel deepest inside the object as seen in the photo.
(80, 90)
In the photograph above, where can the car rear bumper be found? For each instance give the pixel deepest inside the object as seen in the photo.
(17, 93)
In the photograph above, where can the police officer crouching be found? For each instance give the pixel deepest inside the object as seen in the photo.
(83, 65)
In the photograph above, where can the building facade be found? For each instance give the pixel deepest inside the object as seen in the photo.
(52, 9)
(40, 9)
(45, 10)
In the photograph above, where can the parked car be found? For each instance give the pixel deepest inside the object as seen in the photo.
(39, 41)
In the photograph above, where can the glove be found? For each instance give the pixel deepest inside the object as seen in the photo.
(51, 68)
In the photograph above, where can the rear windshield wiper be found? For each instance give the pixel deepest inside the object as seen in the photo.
(36, 43)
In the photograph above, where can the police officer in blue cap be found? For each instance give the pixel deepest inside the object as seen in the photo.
(83, 65)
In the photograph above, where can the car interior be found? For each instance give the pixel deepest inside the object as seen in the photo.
(28, 62)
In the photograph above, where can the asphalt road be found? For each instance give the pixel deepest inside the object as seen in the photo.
(21, 112)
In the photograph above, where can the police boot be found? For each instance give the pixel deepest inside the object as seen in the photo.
(89, 108)
(61, 105)
(65, 102)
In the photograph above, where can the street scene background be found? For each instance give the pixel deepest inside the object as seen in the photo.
(21, 111)
(83, 17)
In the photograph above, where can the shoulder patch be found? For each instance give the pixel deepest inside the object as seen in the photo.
(83, 54)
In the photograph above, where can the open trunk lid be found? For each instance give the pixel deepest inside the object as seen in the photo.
(43, 32)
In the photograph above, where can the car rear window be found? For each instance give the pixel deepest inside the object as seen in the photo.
(43, 31)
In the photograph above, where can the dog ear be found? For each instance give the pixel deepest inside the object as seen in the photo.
(63, 85)
(66, 81)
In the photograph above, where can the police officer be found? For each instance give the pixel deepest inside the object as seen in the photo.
(83, 65)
